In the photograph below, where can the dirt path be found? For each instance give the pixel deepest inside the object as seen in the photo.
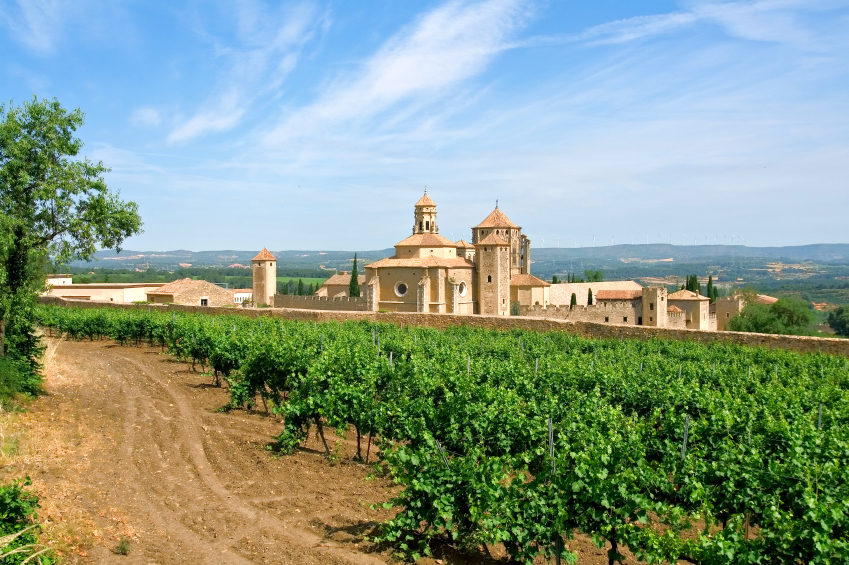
(129, 442)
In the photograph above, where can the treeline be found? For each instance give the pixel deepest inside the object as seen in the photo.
(236, 277)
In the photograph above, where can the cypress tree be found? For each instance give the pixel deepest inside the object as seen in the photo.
(710, 288)
(590, 297)
(554, 280)
(354, 285)
(574, 301)
(301, 288)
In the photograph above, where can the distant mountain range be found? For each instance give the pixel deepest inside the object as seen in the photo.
(642, 253)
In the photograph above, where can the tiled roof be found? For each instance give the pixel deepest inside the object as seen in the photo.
(264, 255)
(686, 295)
(618, 294)
(496, 219)
(463, 244)
(176, 287)
(422, 262)
(426, 240)
(561, 294)
(527, 280)
(425, 201)
(493, 239)
(343, 278)
(674, 309)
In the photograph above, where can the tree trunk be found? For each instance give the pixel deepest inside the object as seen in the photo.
(320, 430)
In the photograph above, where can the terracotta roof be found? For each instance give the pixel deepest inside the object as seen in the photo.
(618, 294)
(426, 240)
(674, 309)
(422, 262)
(527, 280)
(463, 244)
(182, 285)
(496, 219)
(264, 255)
(343, 278)
(493, 239)
(561, 294)
(686, 295)
(425, 201)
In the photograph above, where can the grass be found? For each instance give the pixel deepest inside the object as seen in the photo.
(307, 280)
(123, 547)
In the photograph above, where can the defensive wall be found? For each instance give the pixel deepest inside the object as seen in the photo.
(800, 344)
(331, 303)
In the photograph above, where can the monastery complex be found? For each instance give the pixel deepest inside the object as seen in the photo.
(429, 273)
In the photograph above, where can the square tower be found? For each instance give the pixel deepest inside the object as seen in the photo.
(264, 272)
(655, 306)
(493, 265)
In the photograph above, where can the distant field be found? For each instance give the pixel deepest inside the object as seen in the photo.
(307, 280)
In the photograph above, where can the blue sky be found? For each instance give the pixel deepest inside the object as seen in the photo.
(317, 125)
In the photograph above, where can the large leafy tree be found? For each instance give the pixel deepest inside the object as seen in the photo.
(787, 316)
(839, 321)
(52, 203)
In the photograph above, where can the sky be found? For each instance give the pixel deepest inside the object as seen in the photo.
(318, 125)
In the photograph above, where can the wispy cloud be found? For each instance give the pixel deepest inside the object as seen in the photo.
(270, 45)
(758, 20)
(145, 117)
(441, 50)
(35, 23)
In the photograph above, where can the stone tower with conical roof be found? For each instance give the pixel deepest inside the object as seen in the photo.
(425, 216)
(264, 271)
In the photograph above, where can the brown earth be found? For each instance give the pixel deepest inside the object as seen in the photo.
(129, 442)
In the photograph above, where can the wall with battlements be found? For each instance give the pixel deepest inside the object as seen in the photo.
(313, 302)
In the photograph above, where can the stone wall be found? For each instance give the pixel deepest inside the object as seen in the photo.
(800, 344)
(614, 313)
(311, 302)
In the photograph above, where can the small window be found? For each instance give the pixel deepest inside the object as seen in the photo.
(625, 318)
(427, 225)
(461, 290)
(651, 319)
(489, 278)
(204, 302)
(606, 319)
(728, 314)
(651, 305)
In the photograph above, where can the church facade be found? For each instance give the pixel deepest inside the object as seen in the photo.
(430, 273)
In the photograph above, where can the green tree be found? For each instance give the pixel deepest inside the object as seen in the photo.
(554, 280)
(51, 203)
(787, 316)
(593, 276)
(515, 309)
(711, 289)
(590, 297)
(354, 285)
(301, 288)
(839, 321)
(574, 301)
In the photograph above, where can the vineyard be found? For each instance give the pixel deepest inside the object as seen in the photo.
(676, 451)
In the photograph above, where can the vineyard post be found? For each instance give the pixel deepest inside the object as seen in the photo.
(641, 367)
(679, 371)
(390, 359)
(536, 366)
(686, 431)
(469, 366)
(557, 540)
(819, 419)
(442, 452)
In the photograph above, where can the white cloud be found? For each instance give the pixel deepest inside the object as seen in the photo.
(270, 51)
(442, 49)
(145, 117)
(36, 23)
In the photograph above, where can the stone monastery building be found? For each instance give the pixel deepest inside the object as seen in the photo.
(430, 273)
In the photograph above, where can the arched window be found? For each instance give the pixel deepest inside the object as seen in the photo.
(427, 225)
(489, 278)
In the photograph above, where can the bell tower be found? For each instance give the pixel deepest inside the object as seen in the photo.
(425, 216)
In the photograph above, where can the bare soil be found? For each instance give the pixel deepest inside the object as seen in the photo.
(129, 442)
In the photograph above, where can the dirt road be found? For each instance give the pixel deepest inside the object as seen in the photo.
(129, 442)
